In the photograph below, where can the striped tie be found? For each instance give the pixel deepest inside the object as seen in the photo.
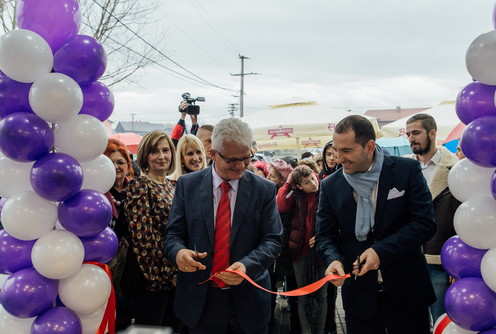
(222, 234)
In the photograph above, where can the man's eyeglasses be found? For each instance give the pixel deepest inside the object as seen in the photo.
(233, 160)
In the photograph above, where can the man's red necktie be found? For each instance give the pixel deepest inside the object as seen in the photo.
(222, 234)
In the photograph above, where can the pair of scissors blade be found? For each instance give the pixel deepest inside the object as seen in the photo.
(359, 267)
(196, 252)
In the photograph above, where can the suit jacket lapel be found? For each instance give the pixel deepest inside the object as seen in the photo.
(346, 198)
(243, 199)
(205, 191)
(385, 183)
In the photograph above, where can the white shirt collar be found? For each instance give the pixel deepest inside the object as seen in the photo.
(217, 180)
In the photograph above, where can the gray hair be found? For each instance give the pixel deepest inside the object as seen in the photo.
(231, 130)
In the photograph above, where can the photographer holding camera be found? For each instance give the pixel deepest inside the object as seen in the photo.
(189, 107)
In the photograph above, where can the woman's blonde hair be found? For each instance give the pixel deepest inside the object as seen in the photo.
(148, 144)
(184, 142)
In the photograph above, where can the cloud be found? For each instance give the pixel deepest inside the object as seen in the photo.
(348, 54)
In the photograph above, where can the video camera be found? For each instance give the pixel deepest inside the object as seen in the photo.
(192, 108)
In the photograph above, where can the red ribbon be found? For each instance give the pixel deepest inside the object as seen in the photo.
(108, 320)
(442, 325)
(308, 289)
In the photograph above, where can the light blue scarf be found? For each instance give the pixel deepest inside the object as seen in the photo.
(363, 184)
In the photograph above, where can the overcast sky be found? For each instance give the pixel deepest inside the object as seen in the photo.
(354, 54)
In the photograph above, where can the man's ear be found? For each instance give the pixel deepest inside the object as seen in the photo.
(370, 147)
(212, 154)
(432, 134)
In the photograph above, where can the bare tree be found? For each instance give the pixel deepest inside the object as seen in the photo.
(118, 26)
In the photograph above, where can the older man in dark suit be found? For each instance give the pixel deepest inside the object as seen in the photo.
(230, 217)
(377, 208)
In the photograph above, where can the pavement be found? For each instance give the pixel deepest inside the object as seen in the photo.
(282, 316)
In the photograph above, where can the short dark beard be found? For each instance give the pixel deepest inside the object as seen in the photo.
(423, 151)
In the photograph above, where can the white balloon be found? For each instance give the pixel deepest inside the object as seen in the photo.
(85, 291)
(14, 176)
(488, 268)
(91, 321)
(58, 254)
(475, 222)
(55, 97)
(83, 137)
(27, 216)
(481, 58)
(98, 174)
(467, 180)
(10, 324)
(3, 278)
(24, 55)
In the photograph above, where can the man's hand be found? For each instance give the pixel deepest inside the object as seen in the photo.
(370, 261)
(336, 268)
(230, 278)
(182, 109)
(311, 242)
(185, 260)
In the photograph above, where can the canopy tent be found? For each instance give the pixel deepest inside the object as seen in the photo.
(397, 146)
(444, 114)
(296, 125)
(130, 139)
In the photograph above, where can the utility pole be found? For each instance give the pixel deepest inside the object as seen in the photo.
(132, 122)
(232, 107)
(242, 75)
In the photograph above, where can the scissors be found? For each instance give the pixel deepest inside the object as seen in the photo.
(359, 266)
(196, 252)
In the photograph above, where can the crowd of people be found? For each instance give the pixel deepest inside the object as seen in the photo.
(204, 204)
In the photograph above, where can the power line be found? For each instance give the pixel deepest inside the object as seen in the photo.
(179, 75)
(214, 27)
(206, 82)
(196, 43)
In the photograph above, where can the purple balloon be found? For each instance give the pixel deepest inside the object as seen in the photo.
(27, 294)
(56, 176)
(54, 20)
(98, 101)
(493, 185)
(460, 260)
(82, 58)
(474, 101)
(479, 141)
(14, 96)
(60, 320)
(15, 254)
(489, 331)
(25, 137)
(471, 304)
(102, 247)
(86, 214)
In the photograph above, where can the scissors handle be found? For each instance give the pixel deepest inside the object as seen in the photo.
(359, 267)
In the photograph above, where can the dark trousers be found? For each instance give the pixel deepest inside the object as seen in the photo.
(151, 308)
(389, 318)
(332, 292)
(218, 315)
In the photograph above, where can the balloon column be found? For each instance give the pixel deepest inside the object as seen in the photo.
(470, 256)
(52, 169)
